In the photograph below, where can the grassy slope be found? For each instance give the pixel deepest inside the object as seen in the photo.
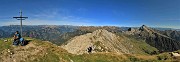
(4, 45)
(48, 52)
(137, 46)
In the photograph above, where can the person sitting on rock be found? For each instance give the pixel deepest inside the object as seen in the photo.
(16, 37)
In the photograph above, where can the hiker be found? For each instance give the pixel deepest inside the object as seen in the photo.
(89, 49)
(17, 38)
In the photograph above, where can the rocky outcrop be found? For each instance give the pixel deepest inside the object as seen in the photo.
(100, 41)
(156, 39)
(173, 34)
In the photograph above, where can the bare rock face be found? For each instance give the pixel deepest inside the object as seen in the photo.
(160, 41)
(173, 34)
(100, 41)
(156, 39)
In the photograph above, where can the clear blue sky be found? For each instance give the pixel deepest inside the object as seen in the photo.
(154, 13)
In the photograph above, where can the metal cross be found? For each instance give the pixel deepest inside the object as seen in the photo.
(21, 18)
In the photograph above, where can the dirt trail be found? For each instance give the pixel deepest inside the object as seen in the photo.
(21, 53)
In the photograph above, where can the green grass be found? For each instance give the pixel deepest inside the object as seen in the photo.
(139, 45)
(50, 57)
(5, 45)
(57, 54)
(97, 58)
(144, 47)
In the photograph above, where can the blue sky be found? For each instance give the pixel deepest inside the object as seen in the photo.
(154, 13)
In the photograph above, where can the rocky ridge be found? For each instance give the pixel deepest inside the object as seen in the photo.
(155, 39)
(100, 40)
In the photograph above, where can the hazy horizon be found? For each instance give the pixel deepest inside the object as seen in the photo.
(96, 26)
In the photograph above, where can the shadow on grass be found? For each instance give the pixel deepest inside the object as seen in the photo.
(26, 42)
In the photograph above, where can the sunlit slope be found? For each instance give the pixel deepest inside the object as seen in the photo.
(43, 51)
(104, 41)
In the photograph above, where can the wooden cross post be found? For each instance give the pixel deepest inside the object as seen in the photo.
(21, 18)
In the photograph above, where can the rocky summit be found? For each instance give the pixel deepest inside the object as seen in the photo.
(100, 40)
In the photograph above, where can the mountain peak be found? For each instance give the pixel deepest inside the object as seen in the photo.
(143, 27)
(147, 29)
(100, 40)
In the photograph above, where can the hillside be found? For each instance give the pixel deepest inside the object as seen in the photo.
(58, 34)
(172, 33)
(35, 51)
(38, 51)
(154, 38)
(71, 43)
(103, 41)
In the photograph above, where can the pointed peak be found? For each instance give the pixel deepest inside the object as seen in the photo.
(143, 27)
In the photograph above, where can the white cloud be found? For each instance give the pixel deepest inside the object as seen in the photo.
(54, 17)
(45, 22)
